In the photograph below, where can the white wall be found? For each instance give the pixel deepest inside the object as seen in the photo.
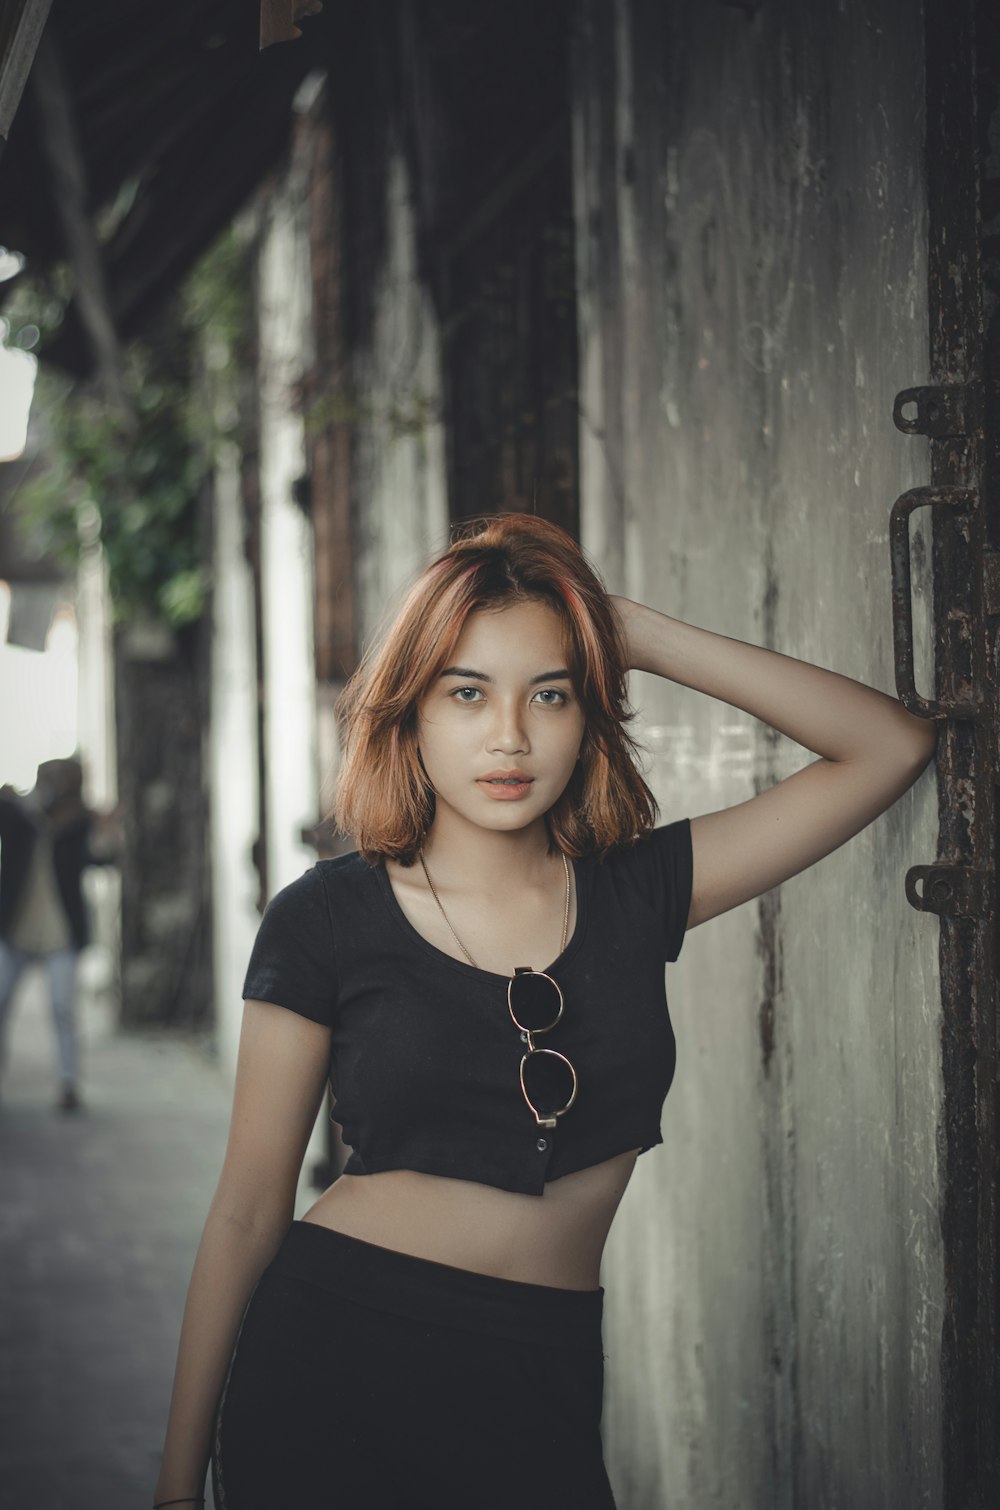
(286, 543)
(286, 550)
(232, 757)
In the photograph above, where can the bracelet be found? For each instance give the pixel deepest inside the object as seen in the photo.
(198, 1499)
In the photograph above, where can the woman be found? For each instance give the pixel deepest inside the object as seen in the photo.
(483, 981)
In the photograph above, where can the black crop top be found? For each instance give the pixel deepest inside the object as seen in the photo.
(424, 1057)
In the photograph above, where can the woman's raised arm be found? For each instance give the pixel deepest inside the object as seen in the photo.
(872, 749)
(280, 1075)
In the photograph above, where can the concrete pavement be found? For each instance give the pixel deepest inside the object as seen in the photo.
(100, 1216)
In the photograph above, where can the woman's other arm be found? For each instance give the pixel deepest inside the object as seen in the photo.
(281, 1070)
(872, 749)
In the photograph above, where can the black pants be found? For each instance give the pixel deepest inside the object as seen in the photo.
(367, 1379)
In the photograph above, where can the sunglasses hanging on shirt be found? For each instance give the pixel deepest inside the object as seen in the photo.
(548, 1080)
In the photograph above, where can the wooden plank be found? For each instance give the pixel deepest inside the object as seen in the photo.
(21, 26)
(68, 182)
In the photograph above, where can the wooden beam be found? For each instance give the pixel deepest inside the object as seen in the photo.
(21, 25)
(60, 146)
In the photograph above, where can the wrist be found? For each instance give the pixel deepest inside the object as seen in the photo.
(624, 611)
(180, 1497)
(649, 636)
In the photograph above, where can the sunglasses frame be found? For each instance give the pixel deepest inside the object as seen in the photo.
(529, 1036)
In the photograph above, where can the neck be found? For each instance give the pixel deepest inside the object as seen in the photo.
(473, 858)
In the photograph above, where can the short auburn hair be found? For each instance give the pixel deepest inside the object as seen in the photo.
(382, 796)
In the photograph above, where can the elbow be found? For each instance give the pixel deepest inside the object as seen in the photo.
(917, 740)
(255, 1209)
(904, 751)
(925, 740)
(917, 751)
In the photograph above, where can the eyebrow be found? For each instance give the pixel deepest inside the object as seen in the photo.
(480, 676)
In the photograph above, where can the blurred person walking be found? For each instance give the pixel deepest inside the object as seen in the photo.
(47, 839)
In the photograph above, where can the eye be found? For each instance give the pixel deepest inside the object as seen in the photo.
(548, 693)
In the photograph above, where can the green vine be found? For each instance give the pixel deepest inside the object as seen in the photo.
(402, 414)
(139, 477)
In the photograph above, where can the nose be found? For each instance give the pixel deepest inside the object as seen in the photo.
(508, 732)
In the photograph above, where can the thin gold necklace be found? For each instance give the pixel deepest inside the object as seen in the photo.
(458, 941)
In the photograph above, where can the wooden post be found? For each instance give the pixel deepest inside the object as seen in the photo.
(21, 26)
(67, 172)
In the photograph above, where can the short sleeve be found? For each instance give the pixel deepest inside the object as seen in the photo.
(664, 871)
(293, 962)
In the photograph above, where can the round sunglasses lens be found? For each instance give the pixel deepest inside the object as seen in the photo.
(534, 1001)
(548, 1082)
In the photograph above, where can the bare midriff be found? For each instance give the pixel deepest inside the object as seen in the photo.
(553, 1239)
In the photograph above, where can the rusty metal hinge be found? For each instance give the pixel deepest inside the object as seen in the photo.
(944, 500)
(953, 891)
(954, 410)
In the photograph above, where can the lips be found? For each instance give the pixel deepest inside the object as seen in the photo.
(505, 788)
(515, 777)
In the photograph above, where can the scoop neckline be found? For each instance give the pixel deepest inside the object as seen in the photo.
(581, 873)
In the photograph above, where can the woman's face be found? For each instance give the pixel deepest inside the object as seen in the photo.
(502, 705)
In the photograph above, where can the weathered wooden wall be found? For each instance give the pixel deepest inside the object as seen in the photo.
(387, 135)
(398, 468)
(752, 293)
